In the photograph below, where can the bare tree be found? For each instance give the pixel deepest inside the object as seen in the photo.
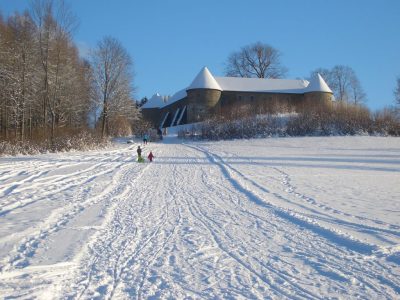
(55, 23)
(397, 93)
(344, 83)
(342, 76)
(112, 81)
(356, 91)
(257, 60)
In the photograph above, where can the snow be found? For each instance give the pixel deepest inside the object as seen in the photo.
(154, 102)
(318, 84)
(281, 218)
(262, 85)
(204, 80)
(176, 97)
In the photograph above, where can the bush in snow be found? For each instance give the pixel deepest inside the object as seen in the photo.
(387, 121)
(16, 148)
(68, 142)
(82, 141)
(336, 119)
(119, 127)
(249, 127)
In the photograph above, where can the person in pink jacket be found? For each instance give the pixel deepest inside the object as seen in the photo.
(150, 156)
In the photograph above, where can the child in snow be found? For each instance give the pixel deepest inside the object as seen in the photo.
(139, 153)
(150, 156)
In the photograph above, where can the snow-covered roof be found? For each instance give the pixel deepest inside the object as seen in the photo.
(261, 85)
(318, 84)
(154, 102)
(177, 96)
(204, 80)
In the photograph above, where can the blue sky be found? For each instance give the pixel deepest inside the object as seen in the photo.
(171, 40)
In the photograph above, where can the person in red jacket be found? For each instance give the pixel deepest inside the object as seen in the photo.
(150, 156)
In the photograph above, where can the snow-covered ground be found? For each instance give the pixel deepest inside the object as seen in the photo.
(281, 218)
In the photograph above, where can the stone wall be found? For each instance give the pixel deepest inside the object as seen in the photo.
(259, 103)
(318, 97)
(152, 115)
(202, 103)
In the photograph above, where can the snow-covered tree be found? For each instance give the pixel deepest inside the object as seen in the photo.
(18, 75)
(43, 81)
(4, 78)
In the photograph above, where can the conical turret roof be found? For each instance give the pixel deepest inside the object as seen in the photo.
(204, 80)
(155, 101)
(318, 84)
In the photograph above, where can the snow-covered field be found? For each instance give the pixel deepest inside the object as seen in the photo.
(281, 218)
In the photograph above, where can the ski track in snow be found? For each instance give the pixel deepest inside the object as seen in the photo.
(317, 210)
(253, 192)
(193, 224)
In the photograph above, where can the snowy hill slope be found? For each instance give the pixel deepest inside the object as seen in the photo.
(279, 218)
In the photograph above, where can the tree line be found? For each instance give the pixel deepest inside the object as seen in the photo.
(48, 90)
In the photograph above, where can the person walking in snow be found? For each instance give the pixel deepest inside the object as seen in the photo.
(150, 156)
(159, 133)
(145, 139)
(140, 159)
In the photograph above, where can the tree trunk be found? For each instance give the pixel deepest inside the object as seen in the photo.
(30, 122)
(16, 122)
(104, 122)
(44, 108)
(6, 122)
(23, 123)
(2, 122)
(22, 114)
(53, 126)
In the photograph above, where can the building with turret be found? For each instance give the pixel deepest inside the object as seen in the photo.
(209, 96)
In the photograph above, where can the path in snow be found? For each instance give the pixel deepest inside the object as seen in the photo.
(268, 219)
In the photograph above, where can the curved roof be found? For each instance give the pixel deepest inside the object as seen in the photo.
(204, 80)
(154, 102)
(318, 84)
